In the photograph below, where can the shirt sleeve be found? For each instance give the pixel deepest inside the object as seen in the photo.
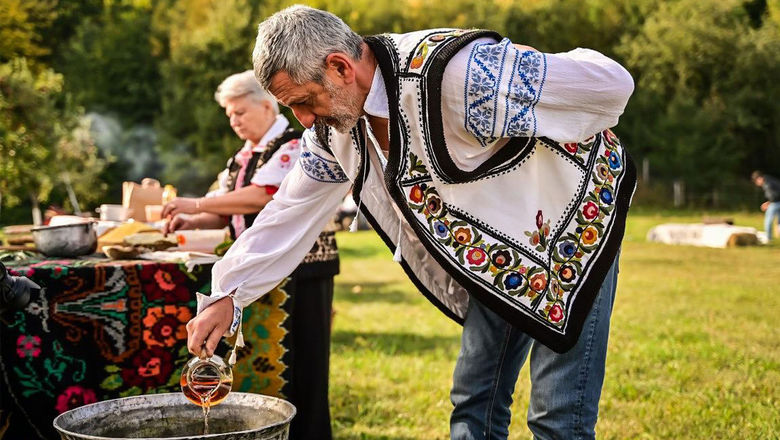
(284, 231)
(280, 163)
(502, 91)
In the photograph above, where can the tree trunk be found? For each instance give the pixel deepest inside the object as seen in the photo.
(36, 209)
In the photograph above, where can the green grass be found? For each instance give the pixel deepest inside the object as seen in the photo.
(694, 348)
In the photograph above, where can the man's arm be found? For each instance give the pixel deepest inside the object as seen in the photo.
(272, 248)
(515, 91)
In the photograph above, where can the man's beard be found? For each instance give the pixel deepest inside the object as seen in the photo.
(346, 109)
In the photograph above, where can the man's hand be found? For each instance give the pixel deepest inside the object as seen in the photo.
(205, 330)
(764, 206)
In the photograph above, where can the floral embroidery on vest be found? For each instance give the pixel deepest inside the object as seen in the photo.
(416, 167)
(510, 269)
(497, 262)
(424, 47)
(579, 151)
(590, 227)
(538, 238)
(546, 293)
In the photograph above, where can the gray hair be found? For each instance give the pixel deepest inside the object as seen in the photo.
(296, 40)
(243, 84)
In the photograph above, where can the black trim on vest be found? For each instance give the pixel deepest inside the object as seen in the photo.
(322, 133)
(408, 270)
(558, 342)
(358, 135)
(514, 151)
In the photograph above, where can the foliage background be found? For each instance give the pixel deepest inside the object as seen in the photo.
(693, 345)
(143, 73)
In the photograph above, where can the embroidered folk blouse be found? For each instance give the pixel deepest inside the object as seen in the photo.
(567, 97)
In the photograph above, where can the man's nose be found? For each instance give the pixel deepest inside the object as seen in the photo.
(306, 118)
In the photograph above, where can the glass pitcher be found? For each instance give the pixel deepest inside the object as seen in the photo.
(206, 382)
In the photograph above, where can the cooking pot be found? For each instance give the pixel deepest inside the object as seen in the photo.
(66, 240)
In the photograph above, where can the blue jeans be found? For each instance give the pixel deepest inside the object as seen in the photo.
(565, 388)
(772, 213)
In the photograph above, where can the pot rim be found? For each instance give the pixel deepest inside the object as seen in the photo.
(206, 436)
(49, 228)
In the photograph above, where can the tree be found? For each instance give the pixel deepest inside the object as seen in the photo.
(203, 41)
(21, 28)
(706, 82)
(41, 140)
(561, 25)
(110, 65)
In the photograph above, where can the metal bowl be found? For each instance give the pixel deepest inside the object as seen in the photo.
(241, 416)
(66, 240)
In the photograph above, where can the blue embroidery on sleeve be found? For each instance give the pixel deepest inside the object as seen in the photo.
(483, 85)
(523, 95)
(321, 169)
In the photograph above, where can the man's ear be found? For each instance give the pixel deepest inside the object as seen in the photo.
(340, 66)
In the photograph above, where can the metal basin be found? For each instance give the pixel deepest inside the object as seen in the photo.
(66, 240)
(241, 416)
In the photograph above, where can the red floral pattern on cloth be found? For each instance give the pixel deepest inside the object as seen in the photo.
(28, 346)
(538, 238)
(150, 368)
(165, 325)
(73, 397)
(476, 256)
(164, 282)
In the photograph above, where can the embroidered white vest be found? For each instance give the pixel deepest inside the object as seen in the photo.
(531, 232)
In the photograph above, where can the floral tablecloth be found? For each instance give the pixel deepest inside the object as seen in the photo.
(106, 329)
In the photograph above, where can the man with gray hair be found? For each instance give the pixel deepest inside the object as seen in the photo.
(490, 171)
(295, 365)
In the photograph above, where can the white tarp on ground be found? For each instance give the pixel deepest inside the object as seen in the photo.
(709, 235)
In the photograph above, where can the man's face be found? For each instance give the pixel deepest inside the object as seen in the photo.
(312, 103)
(759, 180)
(249, 119)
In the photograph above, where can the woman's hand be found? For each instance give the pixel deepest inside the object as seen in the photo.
(179, 221)
(181, 205)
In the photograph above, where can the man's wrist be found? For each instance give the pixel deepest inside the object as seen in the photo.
(236, 319)
(236, 314)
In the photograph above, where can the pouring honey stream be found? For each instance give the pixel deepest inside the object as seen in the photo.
(206, 382)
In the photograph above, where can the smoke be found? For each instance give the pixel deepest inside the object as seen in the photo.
(134, 148)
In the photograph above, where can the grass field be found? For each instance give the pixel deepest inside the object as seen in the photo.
(694, 348)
